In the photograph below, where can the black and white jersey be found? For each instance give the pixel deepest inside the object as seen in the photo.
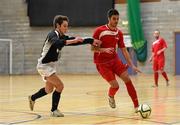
(54, 43)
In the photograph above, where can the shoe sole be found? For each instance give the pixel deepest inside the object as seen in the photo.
(30, 103)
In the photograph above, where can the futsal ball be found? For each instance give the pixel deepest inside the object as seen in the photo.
(144, 110)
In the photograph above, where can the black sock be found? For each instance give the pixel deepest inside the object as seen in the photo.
(55, 100)
(39, 94)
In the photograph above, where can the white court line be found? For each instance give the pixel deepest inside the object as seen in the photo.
(101, 110)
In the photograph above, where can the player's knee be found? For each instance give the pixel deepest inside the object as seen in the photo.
(59, 87)
(114, 84)
(126, 79)
(161, 70)
(49, 90)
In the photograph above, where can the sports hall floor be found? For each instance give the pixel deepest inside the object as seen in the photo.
(84, 101)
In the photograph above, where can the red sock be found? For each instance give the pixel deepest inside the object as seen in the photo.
(132, 93)
(112, 91)
(165, 76)
(156, 75)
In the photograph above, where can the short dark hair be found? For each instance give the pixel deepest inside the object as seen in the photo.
(112, 12)
(157, 30)
(58, 19)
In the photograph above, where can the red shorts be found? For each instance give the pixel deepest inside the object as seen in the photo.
(110, 69)
(158, 65)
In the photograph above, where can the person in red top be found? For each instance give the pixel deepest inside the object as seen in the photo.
(158, 48)
(106, 59)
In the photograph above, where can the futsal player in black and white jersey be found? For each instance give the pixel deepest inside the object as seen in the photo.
(46, 66)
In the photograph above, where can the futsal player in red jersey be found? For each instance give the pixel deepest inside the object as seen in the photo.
(106, 59)
(158, 48)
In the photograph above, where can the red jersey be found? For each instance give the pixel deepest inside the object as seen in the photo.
(156, 46)
(110, 38)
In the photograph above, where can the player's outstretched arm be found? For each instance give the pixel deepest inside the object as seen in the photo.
(75, 40)
(91, 41)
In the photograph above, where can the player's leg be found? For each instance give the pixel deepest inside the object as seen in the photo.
(161, 67)
(114, 87)
(156, 75)
(130, 88)
(57, 83)
(45, 70)
(121, 70)
(106, 72)
(42, 92)
(165, 76)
